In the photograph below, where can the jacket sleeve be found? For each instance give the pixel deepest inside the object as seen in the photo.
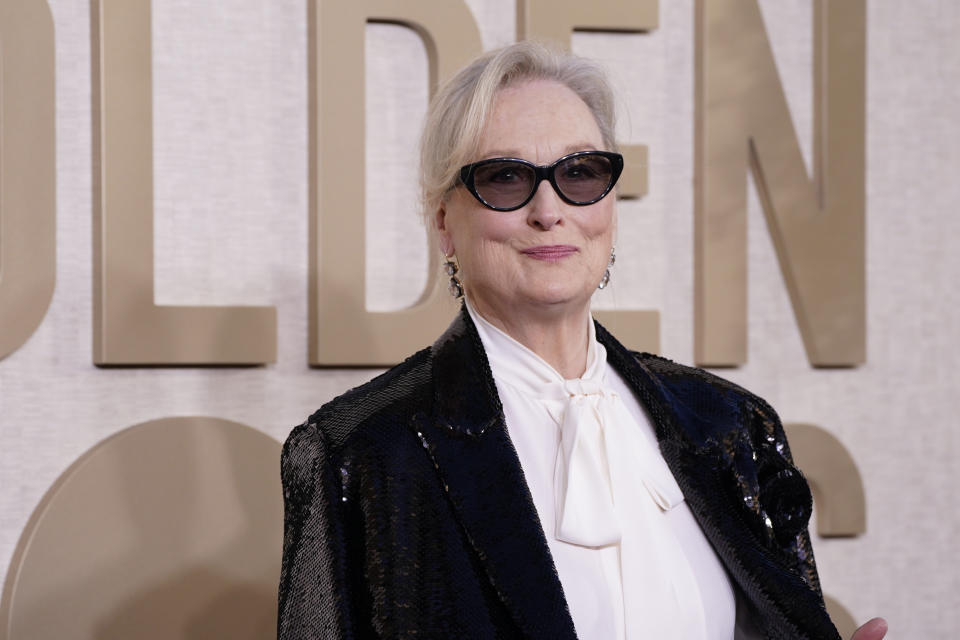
(784, 494)
(314, 600)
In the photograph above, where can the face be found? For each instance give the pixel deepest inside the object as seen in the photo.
(547, 257)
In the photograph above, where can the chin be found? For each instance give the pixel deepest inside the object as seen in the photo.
(561, 298)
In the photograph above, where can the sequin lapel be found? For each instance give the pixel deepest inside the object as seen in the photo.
(467, 439)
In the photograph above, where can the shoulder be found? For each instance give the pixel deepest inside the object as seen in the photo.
(394, 393)
(708, 404)
(686, 379)
(702, 401)
(386, 403)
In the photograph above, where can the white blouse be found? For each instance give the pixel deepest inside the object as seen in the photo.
(632, 559)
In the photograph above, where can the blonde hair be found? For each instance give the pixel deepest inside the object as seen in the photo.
(459, 110)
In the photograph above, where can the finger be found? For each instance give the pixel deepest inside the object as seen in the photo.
(874, 629)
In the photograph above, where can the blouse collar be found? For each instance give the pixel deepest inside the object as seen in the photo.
(515, 364)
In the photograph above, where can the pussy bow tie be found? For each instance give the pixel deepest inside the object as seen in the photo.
(613, 487)
(597, 463)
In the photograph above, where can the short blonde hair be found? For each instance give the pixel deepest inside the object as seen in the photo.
(459, 110)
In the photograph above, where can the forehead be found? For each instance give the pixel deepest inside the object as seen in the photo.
(539, 120)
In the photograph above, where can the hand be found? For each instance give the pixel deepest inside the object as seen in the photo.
(873, 630)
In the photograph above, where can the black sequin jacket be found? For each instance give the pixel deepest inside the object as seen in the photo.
(408, 516)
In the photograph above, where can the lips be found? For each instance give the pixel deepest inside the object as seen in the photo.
(552, 252)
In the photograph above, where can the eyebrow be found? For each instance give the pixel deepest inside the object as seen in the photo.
(512, 153)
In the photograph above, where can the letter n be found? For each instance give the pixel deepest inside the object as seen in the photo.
(817, 225)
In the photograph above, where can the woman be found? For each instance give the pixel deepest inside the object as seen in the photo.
(526, 475)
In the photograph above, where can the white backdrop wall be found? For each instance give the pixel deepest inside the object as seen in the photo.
(230, 138)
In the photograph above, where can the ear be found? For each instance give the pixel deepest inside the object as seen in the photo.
(444, 239)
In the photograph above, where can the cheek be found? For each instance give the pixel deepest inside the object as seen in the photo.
(485, 259)
(478, 234)
(600, 228)
(467, 225)
(481, 243)
(606, 224)
(599, 232)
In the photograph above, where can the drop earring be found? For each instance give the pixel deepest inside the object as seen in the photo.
(605, 280)
(452, 269)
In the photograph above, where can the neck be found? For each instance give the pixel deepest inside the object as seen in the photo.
(559, 337)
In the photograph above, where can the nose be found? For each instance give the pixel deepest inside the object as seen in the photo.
(546, 208)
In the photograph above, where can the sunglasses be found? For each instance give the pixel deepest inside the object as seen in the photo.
(506, 184)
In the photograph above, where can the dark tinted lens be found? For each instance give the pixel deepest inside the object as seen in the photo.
(503, 183)
(584, 178)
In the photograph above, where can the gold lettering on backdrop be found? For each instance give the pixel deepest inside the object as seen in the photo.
(129, 329)
(834, 480)
(28, 258)
(556, 20)
(817, 226)
(342, 330)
